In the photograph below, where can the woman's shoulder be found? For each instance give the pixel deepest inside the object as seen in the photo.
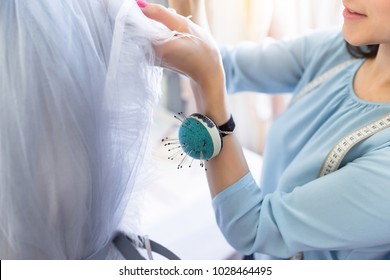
(326, 46)
(329, 36)
(318, 50)
(324, 49)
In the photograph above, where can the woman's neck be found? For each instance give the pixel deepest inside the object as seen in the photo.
(372, 81)
(381, 63)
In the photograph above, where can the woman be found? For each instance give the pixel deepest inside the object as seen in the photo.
(342, 215)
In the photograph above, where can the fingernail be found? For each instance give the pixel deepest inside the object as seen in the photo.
(142, 3)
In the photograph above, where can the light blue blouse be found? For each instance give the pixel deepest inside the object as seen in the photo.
(343, 215)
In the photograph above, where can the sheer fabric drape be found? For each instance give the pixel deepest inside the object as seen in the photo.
(77, 90)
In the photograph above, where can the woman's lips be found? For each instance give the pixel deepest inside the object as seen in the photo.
(351, 14)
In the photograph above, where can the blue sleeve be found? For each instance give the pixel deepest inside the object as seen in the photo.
(344, 210)
(274, 66)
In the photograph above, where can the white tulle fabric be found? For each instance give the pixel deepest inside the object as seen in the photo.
(77, 90)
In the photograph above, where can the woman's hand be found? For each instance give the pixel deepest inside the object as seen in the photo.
(195, 54)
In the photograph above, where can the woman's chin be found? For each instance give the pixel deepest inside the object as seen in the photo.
(353, 38)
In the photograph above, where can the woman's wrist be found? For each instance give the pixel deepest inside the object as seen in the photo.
(219, 113)
(211, 101)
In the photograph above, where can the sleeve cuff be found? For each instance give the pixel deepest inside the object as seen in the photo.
(246, 181)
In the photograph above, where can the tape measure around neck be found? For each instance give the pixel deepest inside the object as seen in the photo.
(339, 151)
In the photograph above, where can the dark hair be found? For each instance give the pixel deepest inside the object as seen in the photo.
(362, 51)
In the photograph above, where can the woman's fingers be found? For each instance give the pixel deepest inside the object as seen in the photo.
(167, 17)
(195, 54)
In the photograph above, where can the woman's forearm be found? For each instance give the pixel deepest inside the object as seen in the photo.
(230, 165)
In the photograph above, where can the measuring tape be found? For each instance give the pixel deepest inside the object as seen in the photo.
(338, 152)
